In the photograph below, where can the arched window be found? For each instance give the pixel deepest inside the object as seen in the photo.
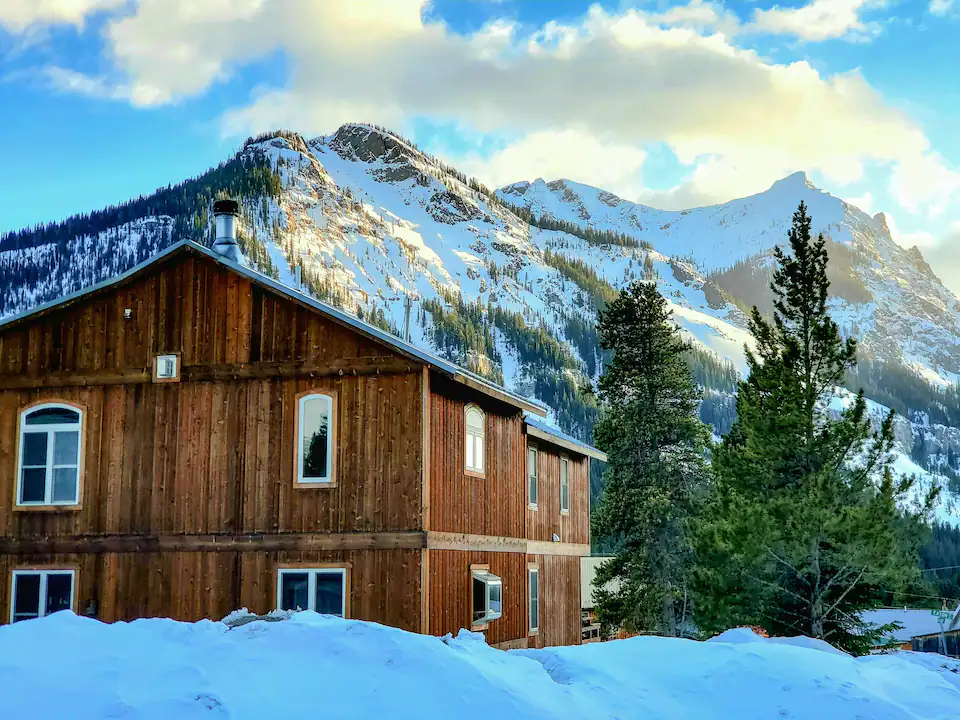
(48, 471)
(316, 438)
(475, 422)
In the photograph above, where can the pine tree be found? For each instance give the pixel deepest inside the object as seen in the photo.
(656, 471)
(804, 530)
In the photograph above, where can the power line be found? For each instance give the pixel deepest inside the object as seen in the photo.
(945, 567)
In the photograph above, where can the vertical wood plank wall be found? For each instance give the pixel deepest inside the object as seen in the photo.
(461, 503)
(546, 520)
(212, 456)
(194, 585)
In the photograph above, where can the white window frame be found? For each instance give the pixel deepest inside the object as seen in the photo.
(533, 600)
(331, 400)
(312, 573)
(564, 484)
(473, 440)
(489, 580)
(535, 477)
(44, 574)
(50, 431)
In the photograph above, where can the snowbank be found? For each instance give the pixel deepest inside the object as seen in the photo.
(315, 666)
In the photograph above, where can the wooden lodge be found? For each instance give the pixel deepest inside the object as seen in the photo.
(194, 437)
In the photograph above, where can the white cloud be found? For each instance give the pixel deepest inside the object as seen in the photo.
(18, 16)
(614, 81)
(940, 7)
(819, 20)
(550, 154)
(863, 202)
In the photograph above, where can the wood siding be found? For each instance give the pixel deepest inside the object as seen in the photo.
(191, 586)
(451, 599)
(211, 456)
(489, 505)
(546, 520)
(559, 601)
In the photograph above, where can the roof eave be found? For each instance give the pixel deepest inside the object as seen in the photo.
(569, 445)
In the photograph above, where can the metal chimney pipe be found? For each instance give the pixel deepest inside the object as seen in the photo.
(226, 213)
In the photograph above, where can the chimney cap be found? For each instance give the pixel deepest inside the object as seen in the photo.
(226, 207)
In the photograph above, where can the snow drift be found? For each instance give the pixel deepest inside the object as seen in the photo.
(317, 666)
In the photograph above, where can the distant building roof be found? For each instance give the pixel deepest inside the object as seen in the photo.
(915, 621)
(539, 429)
(456, 372)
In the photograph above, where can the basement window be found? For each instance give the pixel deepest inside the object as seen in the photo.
(48, 471)
(475, 423)
(316, 438)
(323, 590)
(487, 597)
(37, 593)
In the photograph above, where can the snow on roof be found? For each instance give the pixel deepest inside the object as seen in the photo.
(549, 433)
(915, 621)
(455, 371)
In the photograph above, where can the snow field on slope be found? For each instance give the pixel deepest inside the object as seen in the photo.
(318, 666)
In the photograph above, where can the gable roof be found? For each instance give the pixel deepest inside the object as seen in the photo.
(542, 431)
(915, 622)
(455, 372)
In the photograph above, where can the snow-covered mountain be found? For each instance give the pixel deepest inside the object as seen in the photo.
(374, 223)
(885, 295)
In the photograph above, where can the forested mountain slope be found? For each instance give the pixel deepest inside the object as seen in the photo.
(507, 286)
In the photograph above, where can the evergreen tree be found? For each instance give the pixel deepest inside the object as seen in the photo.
(804, 530)
(656, 471)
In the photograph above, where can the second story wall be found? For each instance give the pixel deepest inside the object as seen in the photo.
(461, 501)
(547, 519)
(215, 452)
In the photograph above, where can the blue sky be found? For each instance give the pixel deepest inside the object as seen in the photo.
(671, 104)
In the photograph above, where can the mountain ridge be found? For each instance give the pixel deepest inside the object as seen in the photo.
(370, 219)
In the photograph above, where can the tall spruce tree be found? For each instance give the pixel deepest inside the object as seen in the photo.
(656, 472)
(805, 528)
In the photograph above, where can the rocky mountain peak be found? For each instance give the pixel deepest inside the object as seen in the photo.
(368, 143)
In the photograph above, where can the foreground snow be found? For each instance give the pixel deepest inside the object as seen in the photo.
(314, 666)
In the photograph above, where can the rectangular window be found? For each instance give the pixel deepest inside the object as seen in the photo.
(564, 485)
(37, 593)
(323, 590)
(487, 597)
(534, 575)
(532, 476)
(315, 420)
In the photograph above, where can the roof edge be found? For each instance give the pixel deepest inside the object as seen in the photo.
(455, 372)
(570, 444)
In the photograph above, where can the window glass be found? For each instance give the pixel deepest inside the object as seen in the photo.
(496, 597)
(473, 440)
(534, 599)
(35, 449)
(33, 485)
(26, 596)
(294, 591)
(64, 485)
(53, 416)
(564, 486)
(59, 592)
(315, 415)
(532, 476)
(479, 599)
(66, 447)
(329, 594)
